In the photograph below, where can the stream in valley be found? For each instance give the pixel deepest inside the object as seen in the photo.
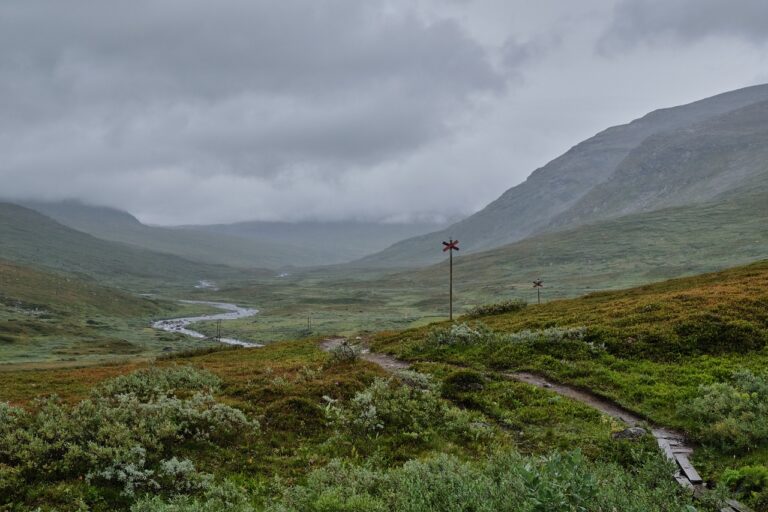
(231, 312)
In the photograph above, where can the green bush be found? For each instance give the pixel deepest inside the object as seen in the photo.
(224, 497)
(732, 416)
(506, 482)
(746, 480)
(507, 306)
(295, 414)
(402, 414)
(710, 334)
(460, 334)
(457, 384)
(124, 439)
(344, 352)
(154, 382)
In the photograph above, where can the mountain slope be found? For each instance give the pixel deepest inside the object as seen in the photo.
(626, 251)
(245, 244)
(31, 238)
(689, 165)
(548, 195)
(195, 244)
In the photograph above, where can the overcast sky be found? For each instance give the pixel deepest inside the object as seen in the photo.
(184, 111)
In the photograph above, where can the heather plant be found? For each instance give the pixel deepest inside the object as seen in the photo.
(732, 416)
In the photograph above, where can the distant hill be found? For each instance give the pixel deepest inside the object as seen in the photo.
(206, 246)
(244, 245)
(31, 238)
(673, 156)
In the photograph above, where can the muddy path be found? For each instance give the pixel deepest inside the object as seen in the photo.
(673, 444)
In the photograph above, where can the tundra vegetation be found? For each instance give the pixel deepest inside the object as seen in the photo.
(290, 427)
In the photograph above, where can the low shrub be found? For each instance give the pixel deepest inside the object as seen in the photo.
(746, 480)
(401, 415)
(124, 439)
(217, 498)
(295, 414)
(732, 416)
(460, 334)
(344, 352)
(457, 384)
(710, 334)
(507, 306)
(153, 382)
(506, 481)
(415, 379)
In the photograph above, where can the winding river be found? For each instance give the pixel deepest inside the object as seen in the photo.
(231, 312)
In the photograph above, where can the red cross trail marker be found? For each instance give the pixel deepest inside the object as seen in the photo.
(450, 246)
(538, 284)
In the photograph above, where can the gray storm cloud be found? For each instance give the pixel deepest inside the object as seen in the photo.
(638, 21)
(239, 88)
(184, 111)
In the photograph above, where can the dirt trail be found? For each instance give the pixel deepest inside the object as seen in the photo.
(672, 444)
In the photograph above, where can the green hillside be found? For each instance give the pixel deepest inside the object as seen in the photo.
(671, 157)
(627, 251)
(31, 238)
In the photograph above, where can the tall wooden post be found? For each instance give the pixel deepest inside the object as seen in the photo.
(450, 287)
(452, 245)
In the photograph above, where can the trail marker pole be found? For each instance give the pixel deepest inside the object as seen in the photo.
(538, 284)
(450, 246)
(218, 331)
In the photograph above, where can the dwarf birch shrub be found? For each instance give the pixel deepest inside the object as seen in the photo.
(460, 334)
(153, 382)
(733, 416)
(123, 437)
(408, 414)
